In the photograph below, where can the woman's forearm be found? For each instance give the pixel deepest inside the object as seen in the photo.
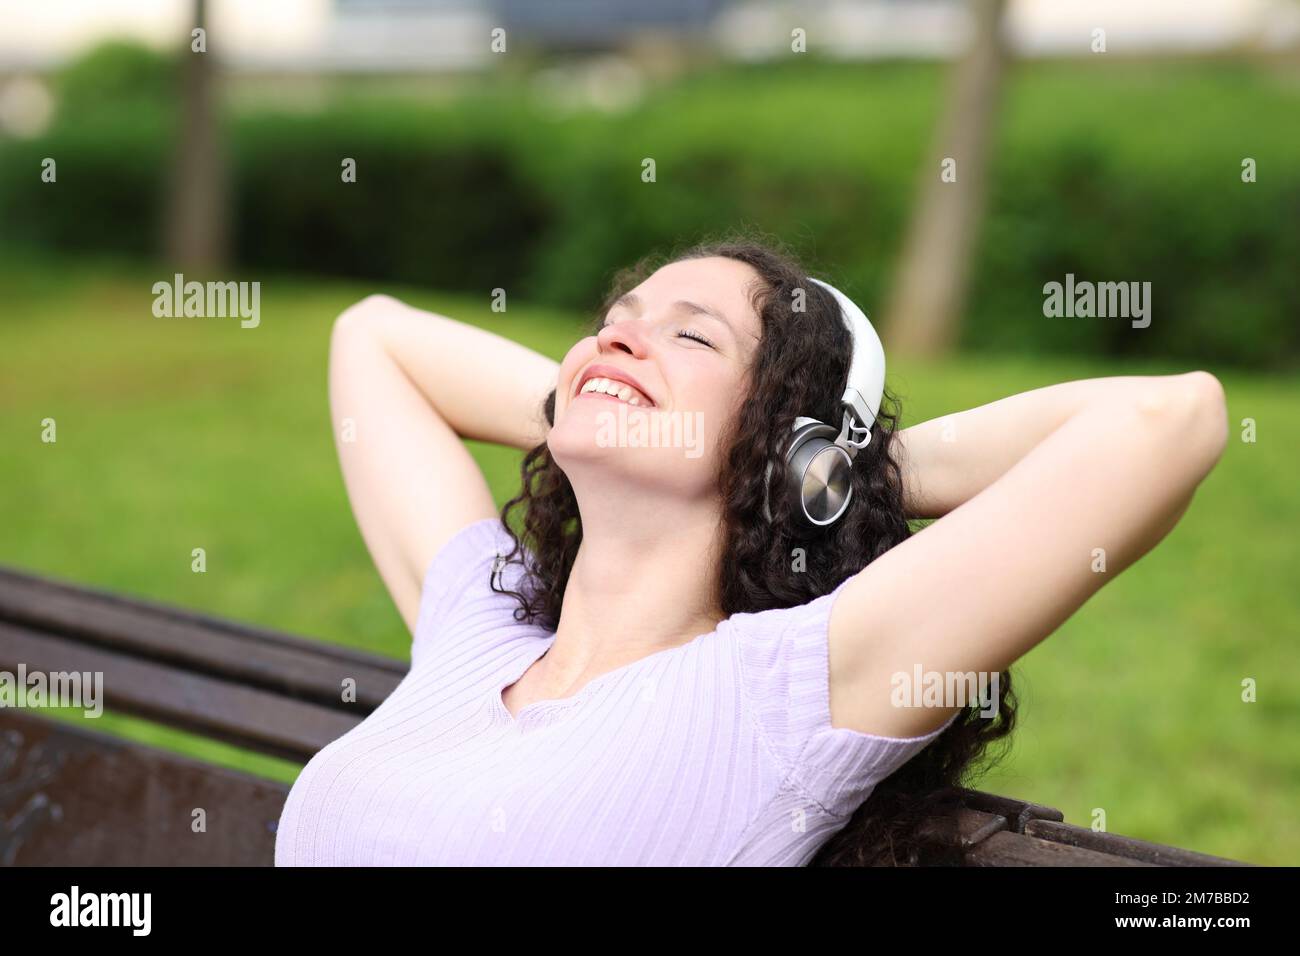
(485, 386)
(947, 461)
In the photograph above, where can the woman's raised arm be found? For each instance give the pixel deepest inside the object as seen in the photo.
(947, 461)
(1045, 497)
(405, 387)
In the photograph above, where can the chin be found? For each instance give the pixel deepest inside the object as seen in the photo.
(576, 441)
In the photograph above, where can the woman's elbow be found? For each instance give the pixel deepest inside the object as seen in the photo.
(1191, 409)
(1211, 404)
(364, 311)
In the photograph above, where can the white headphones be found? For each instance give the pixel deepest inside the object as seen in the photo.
(819, 458)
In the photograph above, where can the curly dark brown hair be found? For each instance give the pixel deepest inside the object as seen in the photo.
(800, 368)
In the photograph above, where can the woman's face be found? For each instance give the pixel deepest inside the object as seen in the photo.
(675, 354)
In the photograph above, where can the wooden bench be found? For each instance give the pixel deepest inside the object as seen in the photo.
(74, 796)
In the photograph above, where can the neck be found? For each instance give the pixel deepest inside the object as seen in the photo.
(642, 582)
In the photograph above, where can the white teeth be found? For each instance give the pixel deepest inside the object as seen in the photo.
(620, 390)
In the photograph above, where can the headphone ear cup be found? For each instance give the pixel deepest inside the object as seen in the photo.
(820, 480)
(818, 474)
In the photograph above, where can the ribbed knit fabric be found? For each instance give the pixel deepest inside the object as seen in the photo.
(715, 752)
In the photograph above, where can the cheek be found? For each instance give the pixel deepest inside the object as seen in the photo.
(577, 356)
(581, 354)
(725, 402)
(718, 408)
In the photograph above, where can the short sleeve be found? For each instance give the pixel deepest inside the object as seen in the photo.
(785, 667)
(461, 568)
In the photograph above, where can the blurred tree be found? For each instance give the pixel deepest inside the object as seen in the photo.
(928, 297)
(113, 75)
(196, 219)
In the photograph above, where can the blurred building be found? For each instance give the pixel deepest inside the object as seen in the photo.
(381, 36)
(871, 29)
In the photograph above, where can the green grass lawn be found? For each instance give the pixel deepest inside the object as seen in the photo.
(182, 433)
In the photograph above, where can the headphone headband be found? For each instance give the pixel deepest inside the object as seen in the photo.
(866, 381)
(819, 456)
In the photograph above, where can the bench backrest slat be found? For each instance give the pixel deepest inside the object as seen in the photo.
(69, 797)
(291, 666)
(236, 713)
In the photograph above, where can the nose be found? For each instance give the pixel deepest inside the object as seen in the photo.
(626, 336)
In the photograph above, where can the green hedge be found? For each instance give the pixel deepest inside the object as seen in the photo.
(1112, 172)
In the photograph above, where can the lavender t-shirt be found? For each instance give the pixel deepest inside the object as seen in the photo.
(715, 752)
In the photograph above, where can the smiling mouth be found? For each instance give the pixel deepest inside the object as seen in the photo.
(599, 387)
(612, 398)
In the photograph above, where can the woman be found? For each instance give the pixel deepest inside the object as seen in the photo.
(662, 676)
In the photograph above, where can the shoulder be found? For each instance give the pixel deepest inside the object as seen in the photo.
(784, 662)
(459, 575)
(466, 548)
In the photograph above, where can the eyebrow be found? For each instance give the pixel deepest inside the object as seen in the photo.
(630, 300)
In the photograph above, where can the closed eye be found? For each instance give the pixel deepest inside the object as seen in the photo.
(692, 334)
